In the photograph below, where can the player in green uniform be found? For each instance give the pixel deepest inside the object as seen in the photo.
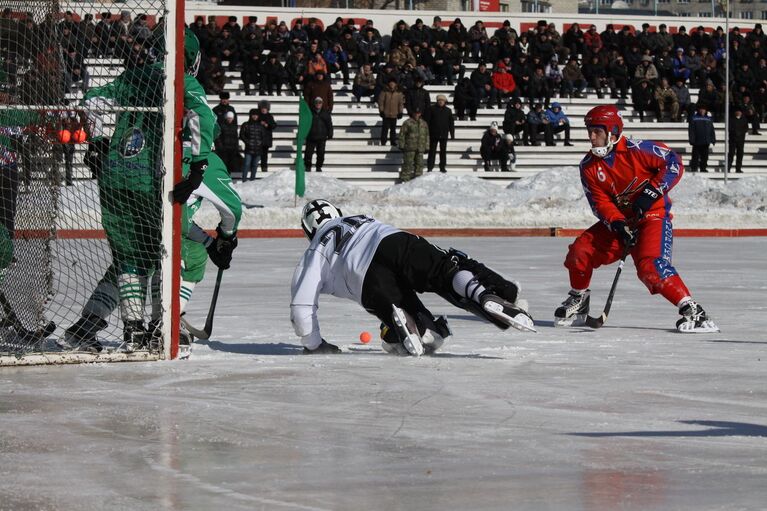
(134, 239)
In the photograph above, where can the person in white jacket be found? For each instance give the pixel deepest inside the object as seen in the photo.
(383, 268)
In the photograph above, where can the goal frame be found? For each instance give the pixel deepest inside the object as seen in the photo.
(170, 264)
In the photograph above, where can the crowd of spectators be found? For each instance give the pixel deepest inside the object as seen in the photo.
(654, 70)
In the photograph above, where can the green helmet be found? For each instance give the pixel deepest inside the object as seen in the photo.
(191, 52)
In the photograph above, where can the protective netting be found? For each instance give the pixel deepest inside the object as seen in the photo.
(81, 124)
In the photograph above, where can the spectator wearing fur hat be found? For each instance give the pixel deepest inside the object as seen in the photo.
(646, 70)
(252, 135)
(413, 141)
(320, 132)
(266, 119)
(482, 81)
(441, 124)
(491, 147)
(391, 104)
(227, 143)
(319, 87)
(223, 107)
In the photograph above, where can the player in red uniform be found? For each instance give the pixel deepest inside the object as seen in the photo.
(627, 183)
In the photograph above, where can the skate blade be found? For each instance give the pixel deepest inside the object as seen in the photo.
(394, 348)
(576, 320)
(707, 327)
(521, 321)
(412, 341)
(184, 352)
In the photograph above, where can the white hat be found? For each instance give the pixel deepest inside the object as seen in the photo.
(230, 115)
(493, 125)
(509, 137)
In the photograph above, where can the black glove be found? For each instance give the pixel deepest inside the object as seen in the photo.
(95, 155)
(193, 180)
(323, 349)
(220, 251)
(646, 199)
(626, 234)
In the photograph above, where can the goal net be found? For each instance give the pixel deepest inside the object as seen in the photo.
(87, 116)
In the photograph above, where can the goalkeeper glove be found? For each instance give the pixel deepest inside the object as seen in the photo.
(184, 189)
(626, 234)
(221, 248)
(646, 199)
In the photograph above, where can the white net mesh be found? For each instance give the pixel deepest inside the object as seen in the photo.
(81, 166)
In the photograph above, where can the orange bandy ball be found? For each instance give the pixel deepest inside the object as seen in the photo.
(365, 337)
(79, 136)
(64, 136)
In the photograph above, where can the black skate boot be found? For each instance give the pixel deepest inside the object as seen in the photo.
(436, 331)
(574, 309)
(82, 335)
(154, 332)
(325, 348)
(135, 336)
(694, 319)
(505, 314)
(390, 341)
(407, 331)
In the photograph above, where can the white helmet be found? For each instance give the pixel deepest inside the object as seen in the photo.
(315, 214)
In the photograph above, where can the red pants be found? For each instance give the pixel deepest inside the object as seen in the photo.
(598, 246)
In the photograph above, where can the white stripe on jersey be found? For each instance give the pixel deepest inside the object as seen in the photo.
(334, 264)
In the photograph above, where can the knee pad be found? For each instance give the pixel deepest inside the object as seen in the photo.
(489, 279)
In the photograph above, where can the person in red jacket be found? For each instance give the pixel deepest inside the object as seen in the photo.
(626, 183)
(503, 81)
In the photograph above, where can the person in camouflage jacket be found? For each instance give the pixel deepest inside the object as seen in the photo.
(413, 141)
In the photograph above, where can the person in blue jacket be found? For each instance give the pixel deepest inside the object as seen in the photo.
(558, 122)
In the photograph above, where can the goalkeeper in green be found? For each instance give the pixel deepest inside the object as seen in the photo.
(129, 187)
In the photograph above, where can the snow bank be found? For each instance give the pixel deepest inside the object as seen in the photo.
(549, 198)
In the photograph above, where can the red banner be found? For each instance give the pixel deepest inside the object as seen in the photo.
(489, 5)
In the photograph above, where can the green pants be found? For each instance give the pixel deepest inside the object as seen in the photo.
(412, 165)
(217, 188)
(131, 220)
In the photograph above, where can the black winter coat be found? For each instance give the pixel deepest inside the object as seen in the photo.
(322, 126)
(441, 122)
(738, 129)
(227, 139)
(701, 130)
(271, 124)
(252, 134)
(419, 97)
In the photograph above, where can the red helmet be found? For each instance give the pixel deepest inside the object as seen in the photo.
(606, 116)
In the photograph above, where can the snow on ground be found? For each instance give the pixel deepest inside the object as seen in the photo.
(552, 198)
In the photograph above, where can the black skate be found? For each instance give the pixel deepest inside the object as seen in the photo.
(154, 333)
(82, 335)
(505, 314)
(185, 340)
(694, 320)
(436, 331)
(574, 309)
(325, 348)
(135, 336)
(407, 331)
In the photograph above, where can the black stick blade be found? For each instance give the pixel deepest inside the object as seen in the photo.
(596, 322)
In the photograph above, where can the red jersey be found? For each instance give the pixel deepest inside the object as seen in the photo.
(612, 183)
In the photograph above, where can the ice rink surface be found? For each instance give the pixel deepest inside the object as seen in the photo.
(632, 416)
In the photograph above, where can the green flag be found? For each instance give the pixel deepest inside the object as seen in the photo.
(304, 125)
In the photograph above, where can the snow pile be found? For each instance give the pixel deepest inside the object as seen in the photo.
(550, 198)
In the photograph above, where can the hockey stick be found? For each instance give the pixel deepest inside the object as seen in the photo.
(12, 320)
(251, 206)
(592, 322)
(204, 334)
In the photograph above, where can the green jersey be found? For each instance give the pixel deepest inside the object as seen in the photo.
(200, 126)
(135, 147)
